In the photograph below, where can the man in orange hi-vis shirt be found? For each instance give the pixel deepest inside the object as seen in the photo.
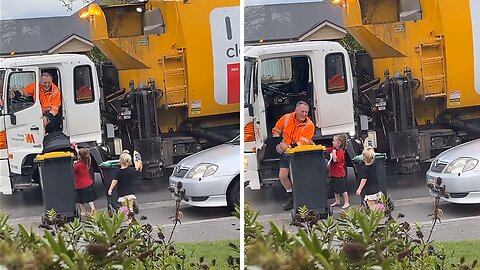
(50, 101)
(296, 129)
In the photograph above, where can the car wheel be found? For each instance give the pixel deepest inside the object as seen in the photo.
(233, 194)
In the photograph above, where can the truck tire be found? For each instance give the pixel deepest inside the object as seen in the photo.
(233, 194)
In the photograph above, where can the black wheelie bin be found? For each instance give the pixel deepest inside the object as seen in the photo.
(309, 178)
(57, 180)
(109, 169)
(379, 168)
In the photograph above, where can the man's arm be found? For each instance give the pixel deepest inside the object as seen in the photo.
(278, 128)
(277, 131)
(28, 91)
(306, 134)
(56, 102)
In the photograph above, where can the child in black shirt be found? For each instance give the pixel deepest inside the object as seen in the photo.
(369, 179)
(125, 178)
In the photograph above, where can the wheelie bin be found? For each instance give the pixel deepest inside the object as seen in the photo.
(57, 181)
(309, 178)
(109, 169)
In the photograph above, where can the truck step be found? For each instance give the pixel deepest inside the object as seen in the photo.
(21, 186)
(435, 95)
(270, 181)
(179, 87)
(174, 105)
(271, 160)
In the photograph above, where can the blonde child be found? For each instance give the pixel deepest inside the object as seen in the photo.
(125, 178)
(369, 179)
(337, 173)
(83, 181)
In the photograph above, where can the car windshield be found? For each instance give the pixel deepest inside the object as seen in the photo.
(235, 141)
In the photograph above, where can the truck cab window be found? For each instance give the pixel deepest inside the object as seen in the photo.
(249, 65)
(83, 85)
(18, 97)
(335, 73)
(2, 99)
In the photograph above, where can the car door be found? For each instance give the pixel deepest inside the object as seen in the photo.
(23, 122)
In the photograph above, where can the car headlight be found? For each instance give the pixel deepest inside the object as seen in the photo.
(461, 165)
(202, 170)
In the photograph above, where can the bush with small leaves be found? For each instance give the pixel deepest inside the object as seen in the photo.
(358, 239)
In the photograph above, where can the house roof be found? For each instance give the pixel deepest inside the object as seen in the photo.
(288, 21)
(40, 35)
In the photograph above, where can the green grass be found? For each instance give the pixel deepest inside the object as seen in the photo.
(218, 250)
(468, 249)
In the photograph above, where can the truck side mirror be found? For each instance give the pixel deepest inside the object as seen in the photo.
(13, 119)
(250, 110)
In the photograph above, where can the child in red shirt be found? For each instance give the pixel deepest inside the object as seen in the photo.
(338, 174)
(84, 182)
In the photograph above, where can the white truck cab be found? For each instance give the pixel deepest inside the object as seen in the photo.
(277, 77)
(22, 134)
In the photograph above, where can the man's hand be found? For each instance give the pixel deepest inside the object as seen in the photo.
(281, 147)
(45, 120)
(15, 94)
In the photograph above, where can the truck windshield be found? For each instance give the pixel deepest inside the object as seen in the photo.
(249, 66)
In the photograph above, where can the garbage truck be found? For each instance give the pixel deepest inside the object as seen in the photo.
(413, 95)
(178, 75)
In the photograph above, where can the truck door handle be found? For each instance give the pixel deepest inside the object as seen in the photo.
(34, 128)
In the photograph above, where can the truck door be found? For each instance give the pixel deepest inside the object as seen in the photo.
(23, 122)
(259, 111)
(334, 100)
(82, 105)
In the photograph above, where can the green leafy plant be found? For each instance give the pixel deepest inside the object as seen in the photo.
(99, 242)
(358, 239)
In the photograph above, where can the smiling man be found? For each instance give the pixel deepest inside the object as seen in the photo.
(50, 101)
(296, 129)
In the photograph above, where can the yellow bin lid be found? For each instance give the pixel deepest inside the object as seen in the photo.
(54, 155)
(304, 148)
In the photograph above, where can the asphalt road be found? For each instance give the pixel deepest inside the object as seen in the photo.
(410, 196)
(155, 201)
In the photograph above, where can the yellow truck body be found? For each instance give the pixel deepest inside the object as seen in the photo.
(438, 40)
(190, 49)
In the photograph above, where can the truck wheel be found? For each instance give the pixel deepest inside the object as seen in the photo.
(233, 194)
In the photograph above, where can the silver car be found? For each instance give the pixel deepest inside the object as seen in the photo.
(210, 178)
(458, 168)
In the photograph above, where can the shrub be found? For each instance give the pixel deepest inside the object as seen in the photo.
(358, 239)
(100, 242)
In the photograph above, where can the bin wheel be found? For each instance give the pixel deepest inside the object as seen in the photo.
(44, 219)
(110, 210)
(136, 209)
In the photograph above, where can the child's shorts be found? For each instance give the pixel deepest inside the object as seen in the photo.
(373, 197)
(126, 197)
